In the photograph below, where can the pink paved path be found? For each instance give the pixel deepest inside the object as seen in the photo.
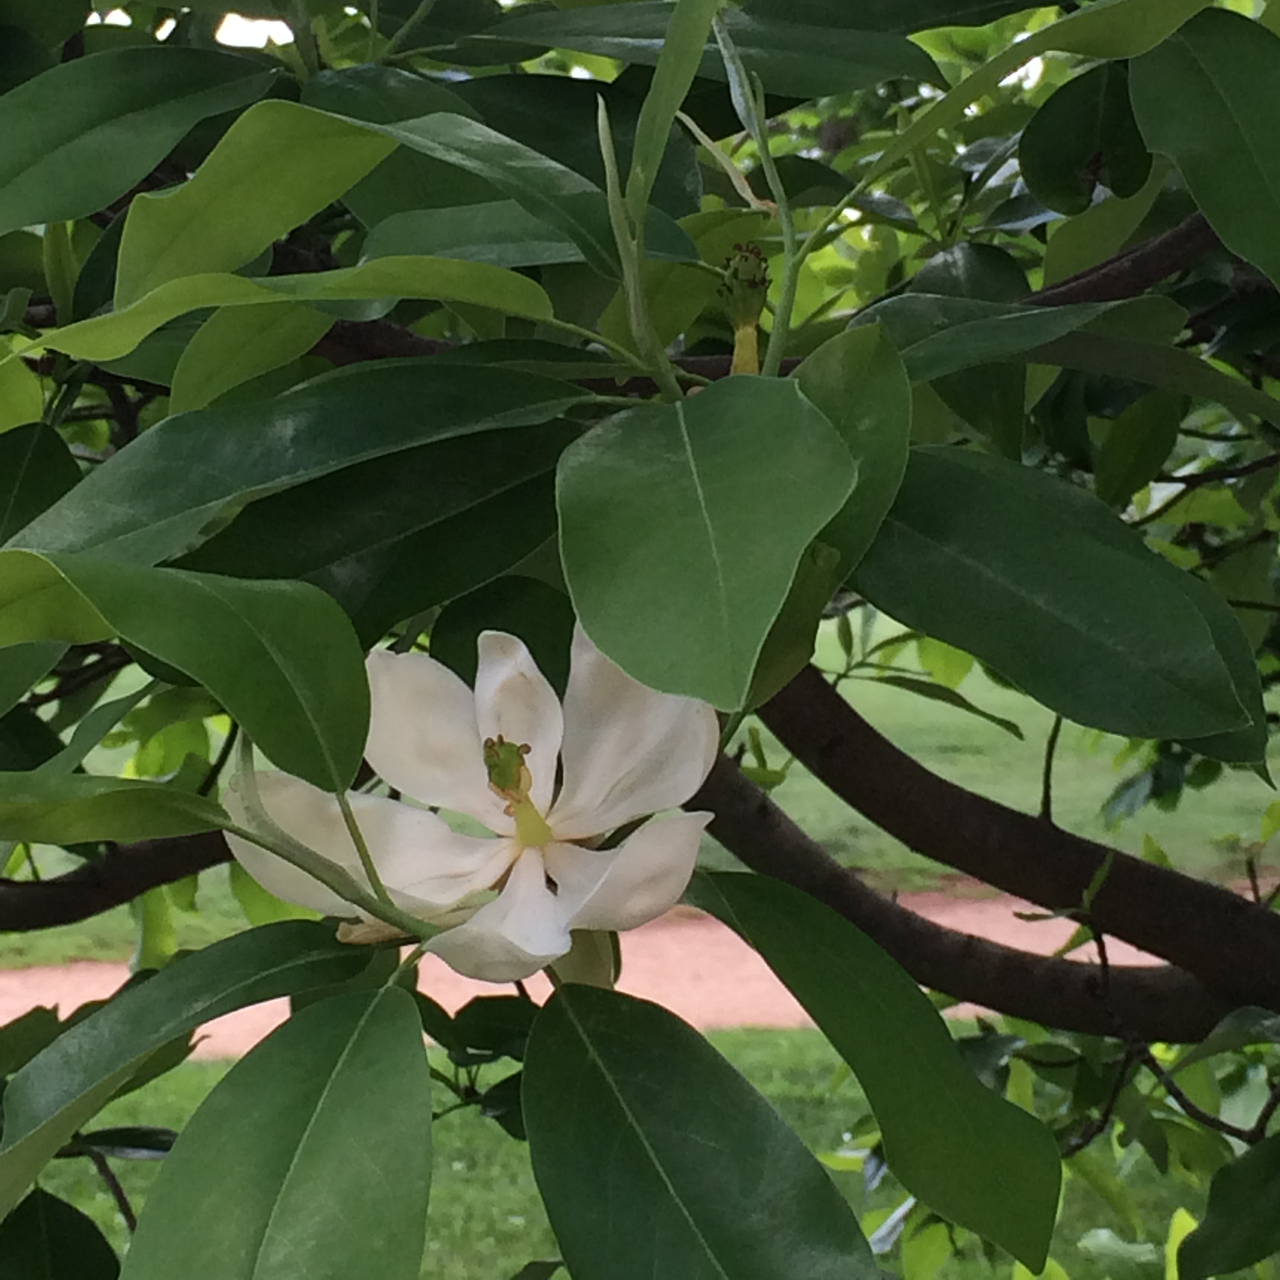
(688, 962)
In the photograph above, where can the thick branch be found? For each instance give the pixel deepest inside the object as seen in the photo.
(1135, 270)
(1227, 942)
(1161, 1003)
(118, 878)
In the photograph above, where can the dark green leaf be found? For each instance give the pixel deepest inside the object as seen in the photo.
(1043, 582)
(501, 1102)
(74, 808)
(682, 525)
(1219, 70)
(1137, 444)
(154, 499)
(967, 1153)
(279, 656)
(487, 1028)
(21, 665)
(500, 232)
(311, 1157)
(545, 188)
(556, 115)
(792, 58)
(1242, 1225)
(857, 380)
(1083, 135)
(704, 1180)
(540, 615)
(903, 16)
(36, 469)
(950, 697)
(939, 335)
(67, 1083)
(45, 1238)
(1240, 1028)
(83, 133)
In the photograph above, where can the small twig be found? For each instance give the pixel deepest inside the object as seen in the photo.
(1189, 1108)
(1098, 1125)
(112, 661)
(108, 1176)
(1196, 479)
(1251, 870)
(220, 762)
(1269, 1109)
(1046, 783)
(1255, 604)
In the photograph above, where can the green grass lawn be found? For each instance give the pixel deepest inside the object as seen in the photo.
(487, 1221)
(1204, 836)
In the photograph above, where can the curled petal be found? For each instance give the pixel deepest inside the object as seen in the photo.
(309, 815)
(513, 698)
(639, 880)
(628, 750)
(521, 931)
(423, 738)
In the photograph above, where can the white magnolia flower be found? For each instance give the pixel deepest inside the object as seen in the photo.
(623, 752)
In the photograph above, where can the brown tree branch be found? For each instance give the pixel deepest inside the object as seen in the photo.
(1134, 271)
(117, 878)
(1228, 943)
(1156, 1003)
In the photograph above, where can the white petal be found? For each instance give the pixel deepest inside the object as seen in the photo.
(521, 931)
(514, 699)
(424, 864)
(308, 814)
(423, 738)
(628, 750)
(639, 880)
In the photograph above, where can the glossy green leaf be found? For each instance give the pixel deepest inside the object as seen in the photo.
(704, 1180)
(968, 1154)
(540, 615)
(904, 16)
(26, 741)
(405, 180)
(545, 188)
(939, 334)
(791, 640)
(1103, 29)
(45, 1238)
(84, 132)
(681, 527)
(1219, 69)
(67, 1084)
(280, 656)
(439, 519)
(1137, 444)
(1157, 366)
(311, 1157)
(1242, 1225)
(501, 233)
(792, 58)
(108, 337)
(858, 381)
(683, 45)
(180, 480)
(1082, 135)
(21, 665)
(236, 344)
(557, 117)
(36, 469)
(949, 697)
(1044, 583)
(21, 393)
(276, 166)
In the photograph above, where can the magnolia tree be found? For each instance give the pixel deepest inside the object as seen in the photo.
(431, 442)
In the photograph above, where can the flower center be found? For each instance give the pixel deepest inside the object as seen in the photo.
(509, 777)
